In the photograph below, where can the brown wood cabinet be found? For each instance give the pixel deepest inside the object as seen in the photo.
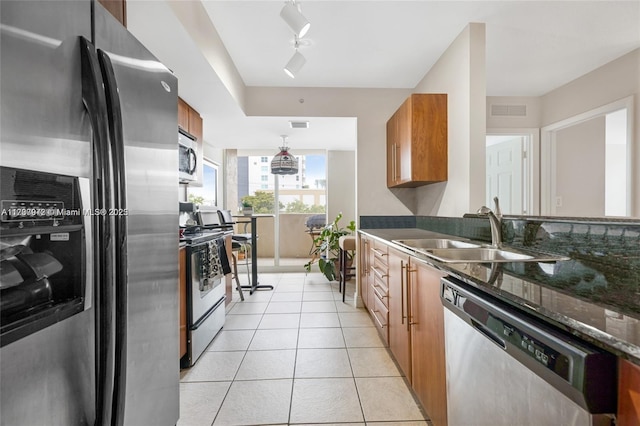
(628, 394)
(416, 327)
(399, 328)
(190, 121)
(417, 152)
(428, 364)
(118, 8)
(182, 291)
(183, 114)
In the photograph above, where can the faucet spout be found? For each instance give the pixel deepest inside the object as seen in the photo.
(496, 224)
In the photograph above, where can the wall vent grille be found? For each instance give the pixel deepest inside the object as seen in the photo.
(299, 124)
(508, 110)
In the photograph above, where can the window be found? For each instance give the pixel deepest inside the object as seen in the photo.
(264, 169)
(264, 178)
(207, 194)
(264, 159)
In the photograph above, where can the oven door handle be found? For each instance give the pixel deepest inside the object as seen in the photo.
(208, 314)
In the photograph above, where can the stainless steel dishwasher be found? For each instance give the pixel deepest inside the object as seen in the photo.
(506, 368)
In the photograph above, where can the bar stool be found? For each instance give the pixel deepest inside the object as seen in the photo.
(238, 241)
(347, 244)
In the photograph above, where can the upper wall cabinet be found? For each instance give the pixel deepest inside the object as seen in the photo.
(417, 142)
(117, 8)
(190, 121)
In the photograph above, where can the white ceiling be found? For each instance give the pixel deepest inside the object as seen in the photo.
(532, 47)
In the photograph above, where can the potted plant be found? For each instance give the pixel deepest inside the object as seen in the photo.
(327, 248)
(247, 208)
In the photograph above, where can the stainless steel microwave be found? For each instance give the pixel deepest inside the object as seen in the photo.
(187, 156)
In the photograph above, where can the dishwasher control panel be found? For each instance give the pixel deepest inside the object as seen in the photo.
(534, 348)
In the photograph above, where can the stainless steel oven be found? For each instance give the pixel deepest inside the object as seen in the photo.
(187, 156)
(206, 266)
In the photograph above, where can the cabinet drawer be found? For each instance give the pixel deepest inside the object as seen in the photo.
(380, 315)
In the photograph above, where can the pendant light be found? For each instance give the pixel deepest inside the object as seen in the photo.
(284, 163)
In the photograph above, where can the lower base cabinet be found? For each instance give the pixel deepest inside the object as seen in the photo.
(399, 326)
(428, 364)
(628, 394)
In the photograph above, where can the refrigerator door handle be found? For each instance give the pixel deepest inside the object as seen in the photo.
(94, 100)
(120, 212)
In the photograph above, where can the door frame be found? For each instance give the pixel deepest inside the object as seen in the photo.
(530, 176)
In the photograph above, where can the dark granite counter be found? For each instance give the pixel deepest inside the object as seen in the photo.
(595, 295)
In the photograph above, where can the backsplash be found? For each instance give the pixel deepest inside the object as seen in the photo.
(616, 240)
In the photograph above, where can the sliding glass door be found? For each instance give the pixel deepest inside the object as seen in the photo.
(283, 205)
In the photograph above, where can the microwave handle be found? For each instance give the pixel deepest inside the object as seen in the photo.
(192, 155)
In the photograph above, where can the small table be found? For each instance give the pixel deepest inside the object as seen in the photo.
(313, 233)
(254, 255)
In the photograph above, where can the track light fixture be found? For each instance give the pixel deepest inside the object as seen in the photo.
(296, 62)
(295, 19)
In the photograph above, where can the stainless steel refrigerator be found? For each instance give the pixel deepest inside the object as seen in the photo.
(88, 236)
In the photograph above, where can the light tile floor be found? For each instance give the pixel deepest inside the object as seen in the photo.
(296, 355)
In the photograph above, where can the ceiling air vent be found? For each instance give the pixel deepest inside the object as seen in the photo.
(299, 124)
(508, 110)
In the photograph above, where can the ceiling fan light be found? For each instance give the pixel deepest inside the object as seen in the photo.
(294, 65)
(295, 19)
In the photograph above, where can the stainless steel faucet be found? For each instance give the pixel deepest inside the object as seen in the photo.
(495, 219)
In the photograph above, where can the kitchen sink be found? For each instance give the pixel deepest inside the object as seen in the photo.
(435, 243)
(487, 255)
(463, 251)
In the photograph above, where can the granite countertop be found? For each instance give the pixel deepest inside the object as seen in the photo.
(567, 294)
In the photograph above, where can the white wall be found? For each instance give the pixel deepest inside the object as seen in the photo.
(371, 107)
(615, 80)
(460, 72)
(341, 190)
(580, 183)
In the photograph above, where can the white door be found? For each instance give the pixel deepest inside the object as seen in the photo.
(504, 173)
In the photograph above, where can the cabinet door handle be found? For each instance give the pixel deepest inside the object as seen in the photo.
(365, 258)
(378, 274)
(397, 168)
(377, 320)
(409, 301)
(402, 310)
(378, 294)
(393, 163)
(378, 252)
